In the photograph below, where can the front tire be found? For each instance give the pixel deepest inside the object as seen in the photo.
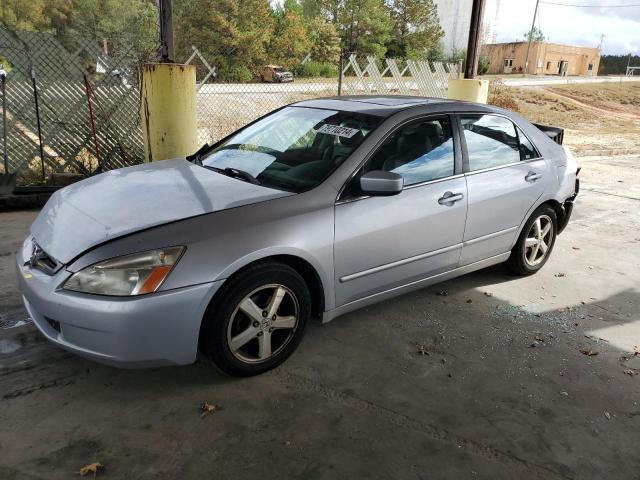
(256, 320)
(535, 243)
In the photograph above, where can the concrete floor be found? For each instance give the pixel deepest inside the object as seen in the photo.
(357, 400)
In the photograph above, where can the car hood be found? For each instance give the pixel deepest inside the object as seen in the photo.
(123, 201)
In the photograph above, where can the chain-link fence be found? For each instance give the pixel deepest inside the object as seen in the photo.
(224, 107)
(68, 110)
(76, 109)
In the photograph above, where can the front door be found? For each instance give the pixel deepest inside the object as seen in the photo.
(505, 176)
(385, 242)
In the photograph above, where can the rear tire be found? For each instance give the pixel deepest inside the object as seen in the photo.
(535, 243)
(256, 320)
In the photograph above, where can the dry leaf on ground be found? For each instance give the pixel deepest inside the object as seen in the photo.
(207, 408)
(91, 468)
(589, 352)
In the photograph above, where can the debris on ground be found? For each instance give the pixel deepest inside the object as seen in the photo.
(576, 248)
(91, 468)
(442, 293)
(421, 349)
(488, 294)
(630, 372)
(560, 275)
(564, 394)
(632, 362)
(469, 301)
(607, 415)
(207, 408)
(589, 352)
(539, 338)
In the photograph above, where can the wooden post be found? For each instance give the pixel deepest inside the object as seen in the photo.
(166, 31)
(473, 45)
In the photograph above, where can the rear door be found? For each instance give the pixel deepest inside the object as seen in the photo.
(382, 242)
(505, 176)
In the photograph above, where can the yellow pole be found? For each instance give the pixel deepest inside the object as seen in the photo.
(168, 110)
(469, 89)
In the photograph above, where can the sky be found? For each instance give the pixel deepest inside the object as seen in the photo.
(573, 25)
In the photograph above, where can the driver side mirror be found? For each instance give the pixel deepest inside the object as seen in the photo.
(380, 183)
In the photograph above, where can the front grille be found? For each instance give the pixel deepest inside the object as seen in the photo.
(42, 261)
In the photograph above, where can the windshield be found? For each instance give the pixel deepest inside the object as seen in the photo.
(295, 148)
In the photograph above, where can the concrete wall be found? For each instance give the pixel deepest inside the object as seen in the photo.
(543, 58)
(455, 18)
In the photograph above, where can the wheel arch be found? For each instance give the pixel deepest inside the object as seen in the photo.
(558, 208)
(304, 267)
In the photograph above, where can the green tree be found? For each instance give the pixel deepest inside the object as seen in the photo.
(290, 41)
(232, 34)
(437, 53)
(365, 26)
(536, 35)
(416, 28)
(125, 26)
(23, 15)
(325, 41)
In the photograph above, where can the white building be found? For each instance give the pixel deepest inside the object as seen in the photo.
(455, 18)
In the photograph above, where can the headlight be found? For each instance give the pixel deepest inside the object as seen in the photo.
(134, 274)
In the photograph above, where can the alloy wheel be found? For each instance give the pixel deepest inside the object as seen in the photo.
(263, 323)
(538, 241)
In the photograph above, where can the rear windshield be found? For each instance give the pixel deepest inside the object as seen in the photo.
(295, 148)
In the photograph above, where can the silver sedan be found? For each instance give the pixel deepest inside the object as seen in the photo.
(314, 210)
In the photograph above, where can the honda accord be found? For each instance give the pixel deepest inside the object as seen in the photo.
(312, 211)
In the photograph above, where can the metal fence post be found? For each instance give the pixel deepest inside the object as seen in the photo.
(92, 124)
(3, 77)
(35, 96)
(340, 67)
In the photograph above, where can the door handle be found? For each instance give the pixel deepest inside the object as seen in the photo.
(532, 177)
(449, 198)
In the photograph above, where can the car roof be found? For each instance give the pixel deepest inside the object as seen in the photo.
(386, 105)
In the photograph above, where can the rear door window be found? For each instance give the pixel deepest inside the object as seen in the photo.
(491, 141)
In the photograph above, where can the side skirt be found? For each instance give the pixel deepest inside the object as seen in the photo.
(409, 287)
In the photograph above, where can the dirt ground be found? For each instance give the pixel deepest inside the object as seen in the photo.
(503, 390)
(603, 116)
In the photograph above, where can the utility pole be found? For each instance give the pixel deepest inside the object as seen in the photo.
(165, 19)
(473, 45)
(601, 41)
(533, 24)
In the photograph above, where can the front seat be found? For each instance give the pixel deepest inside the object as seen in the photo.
(409, 147)
(345, 145)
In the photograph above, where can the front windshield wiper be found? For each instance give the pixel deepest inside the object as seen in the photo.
(197, 156)
(234, 173)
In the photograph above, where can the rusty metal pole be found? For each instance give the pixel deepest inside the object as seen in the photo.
(92, 123)
(165, 17)
(3, 78)
(35, 96)
(473, 45)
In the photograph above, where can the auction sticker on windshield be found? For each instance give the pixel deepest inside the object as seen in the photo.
(337, 130)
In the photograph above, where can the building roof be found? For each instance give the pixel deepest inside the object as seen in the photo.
(524, 42)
